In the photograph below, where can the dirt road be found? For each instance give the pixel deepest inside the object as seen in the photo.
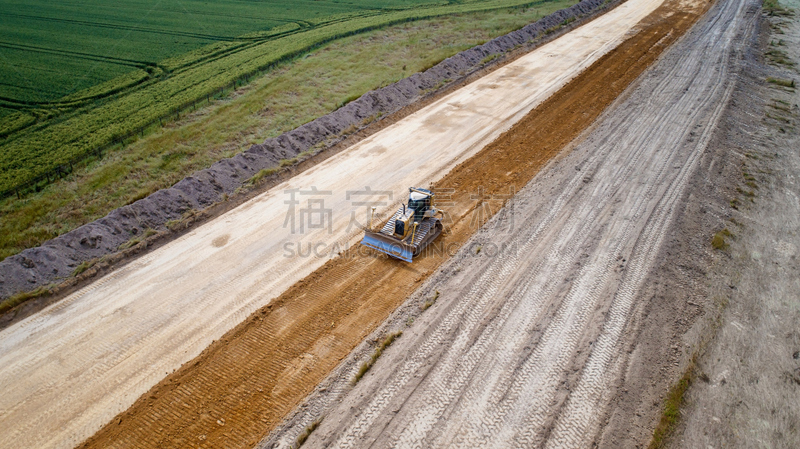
(525, 349)
(244, 384)
(745, 389)
(100, 349)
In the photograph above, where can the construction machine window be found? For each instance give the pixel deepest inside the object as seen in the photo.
(419, 203)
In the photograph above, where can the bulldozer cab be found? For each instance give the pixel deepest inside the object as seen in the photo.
(419, 200)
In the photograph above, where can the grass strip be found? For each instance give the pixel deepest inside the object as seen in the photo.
(19, 298)
(671, 415)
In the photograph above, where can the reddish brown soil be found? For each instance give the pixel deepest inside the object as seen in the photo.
(240, 388)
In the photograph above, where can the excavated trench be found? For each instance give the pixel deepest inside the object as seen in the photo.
(243, 385)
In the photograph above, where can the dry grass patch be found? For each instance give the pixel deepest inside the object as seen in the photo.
(307, 432)
(718, 241)
(385, 343)
(429, 303)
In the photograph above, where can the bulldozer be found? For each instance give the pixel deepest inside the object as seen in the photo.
(409, 230)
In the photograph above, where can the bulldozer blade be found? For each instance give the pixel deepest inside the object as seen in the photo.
(388, 245)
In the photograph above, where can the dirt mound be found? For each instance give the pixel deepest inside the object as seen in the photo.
(57, 259)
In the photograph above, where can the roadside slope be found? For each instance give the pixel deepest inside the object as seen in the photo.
(746, 380)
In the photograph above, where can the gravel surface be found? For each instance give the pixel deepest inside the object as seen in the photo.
(747, 379)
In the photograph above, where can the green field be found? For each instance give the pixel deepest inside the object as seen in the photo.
(280, 100)
(54, 49)
(78, 77)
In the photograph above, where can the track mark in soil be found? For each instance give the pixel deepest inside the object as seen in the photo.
(261, 369)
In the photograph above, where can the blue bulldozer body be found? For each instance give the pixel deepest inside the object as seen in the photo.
(410, 229)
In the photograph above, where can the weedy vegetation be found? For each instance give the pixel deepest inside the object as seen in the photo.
(385, 343)
(307, 432)
(85, 265)
(718, 241)
(672, 408)
(13, 301)
(138, 239)
(781, 82)
(774, 9)
(430, 302)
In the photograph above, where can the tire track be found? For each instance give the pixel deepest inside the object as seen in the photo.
(258, 371)
(500, 408)
(637, 164)
(580, 417)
